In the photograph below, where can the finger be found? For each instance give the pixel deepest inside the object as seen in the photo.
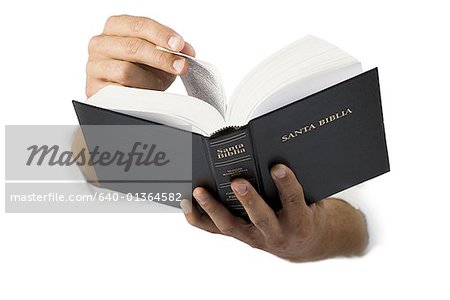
(136, 50)
(196, 219)
(166, 78)
(124, 73)
(188, 49)
(223, 219)
(290, 192)
(146, 29)
(261, 215)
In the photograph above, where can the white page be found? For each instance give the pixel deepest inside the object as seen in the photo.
(162, 107)
(308, 61)
(302, 88)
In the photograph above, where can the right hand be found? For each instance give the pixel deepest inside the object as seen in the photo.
(125, 54)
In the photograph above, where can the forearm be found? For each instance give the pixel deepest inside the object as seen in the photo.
(344, 230)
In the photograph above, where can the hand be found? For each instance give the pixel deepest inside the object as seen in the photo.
(125, 54)
(298, 232)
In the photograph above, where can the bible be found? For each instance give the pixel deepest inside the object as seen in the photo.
(309, 106)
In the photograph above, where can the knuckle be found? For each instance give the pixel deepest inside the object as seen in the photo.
(112, 20)
(292, 198)
(211, 210)
(262, 222)
(133, 45)
(160, 58)
(94, 42)
(138, 25)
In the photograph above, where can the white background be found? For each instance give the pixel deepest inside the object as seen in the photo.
(137, 256)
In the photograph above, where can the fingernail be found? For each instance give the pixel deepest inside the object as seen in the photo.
(175, 43)
(178, 65)
(240, 188)
(279, 171)
(186, 206)
(201, 198)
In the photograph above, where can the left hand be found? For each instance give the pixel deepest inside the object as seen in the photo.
(298, 232)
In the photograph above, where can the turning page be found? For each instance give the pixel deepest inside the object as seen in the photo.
(203, 81)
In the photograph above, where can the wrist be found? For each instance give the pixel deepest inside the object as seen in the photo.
(347, 233)
(340, 230)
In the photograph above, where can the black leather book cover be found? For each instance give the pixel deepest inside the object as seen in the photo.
(333, 139)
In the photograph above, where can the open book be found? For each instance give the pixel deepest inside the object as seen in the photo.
(294, 72)
(308, 106)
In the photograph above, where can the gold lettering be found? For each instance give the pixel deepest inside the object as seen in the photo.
(230, 151)
(326, 120)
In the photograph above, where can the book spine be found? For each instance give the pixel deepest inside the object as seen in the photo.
(232, 156)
